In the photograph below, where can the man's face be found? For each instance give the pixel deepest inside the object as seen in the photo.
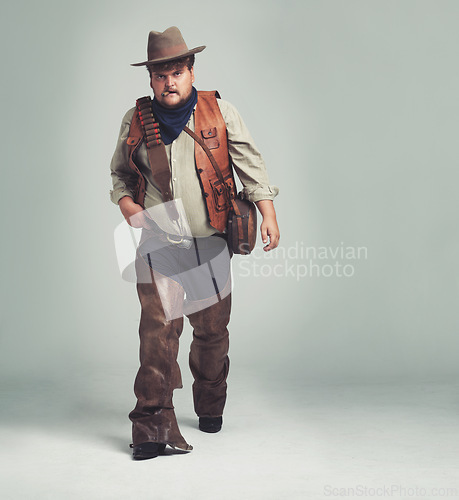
(178, 82)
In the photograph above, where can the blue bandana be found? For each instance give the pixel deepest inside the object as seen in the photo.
(172, 121)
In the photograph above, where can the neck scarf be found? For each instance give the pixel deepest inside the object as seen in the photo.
(172, 121)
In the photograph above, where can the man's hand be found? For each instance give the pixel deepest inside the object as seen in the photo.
(133, 212)
(269, 227)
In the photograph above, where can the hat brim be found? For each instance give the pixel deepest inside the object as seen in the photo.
(166, 59)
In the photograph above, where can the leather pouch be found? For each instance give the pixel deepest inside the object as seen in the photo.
(242, 226)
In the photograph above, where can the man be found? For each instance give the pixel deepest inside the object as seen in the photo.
(182, 211)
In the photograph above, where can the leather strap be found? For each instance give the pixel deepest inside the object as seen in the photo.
(156, 152)
(212, 161)
(134, 141)
(242, 228)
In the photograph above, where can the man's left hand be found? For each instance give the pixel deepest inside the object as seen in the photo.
(269, 228)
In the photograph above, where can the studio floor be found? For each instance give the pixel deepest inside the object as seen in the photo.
(71, 441)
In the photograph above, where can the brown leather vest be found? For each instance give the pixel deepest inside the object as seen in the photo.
(210, 126)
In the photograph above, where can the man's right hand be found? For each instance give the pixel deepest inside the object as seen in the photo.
(133, 212)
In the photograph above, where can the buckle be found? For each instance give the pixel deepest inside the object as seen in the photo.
(171, 240)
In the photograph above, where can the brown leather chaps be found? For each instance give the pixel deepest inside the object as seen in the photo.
(153, 418)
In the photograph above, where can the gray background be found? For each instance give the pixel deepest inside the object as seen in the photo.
(354, 106)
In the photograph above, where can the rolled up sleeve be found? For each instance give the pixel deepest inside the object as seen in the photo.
(246, 158)
(124, 180)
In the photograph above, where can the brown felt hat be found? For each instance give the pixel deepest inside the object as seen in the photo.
(167, 46)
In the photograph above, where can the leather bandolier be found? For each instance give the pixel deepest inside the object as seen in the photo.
(211, 128)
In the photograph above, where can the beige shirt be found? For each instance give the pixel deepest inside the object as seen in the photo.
(245, 157)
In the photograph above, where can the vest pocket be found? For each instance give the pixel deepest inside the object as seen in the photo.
(219, 194)
(210, 137)
(132, 141)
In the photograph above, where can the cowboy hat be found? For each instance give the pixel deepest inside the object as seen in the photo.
(167, 46)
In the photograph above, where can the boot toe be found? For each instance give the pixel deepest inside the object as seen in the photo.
(145, 451)
(210, 424)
